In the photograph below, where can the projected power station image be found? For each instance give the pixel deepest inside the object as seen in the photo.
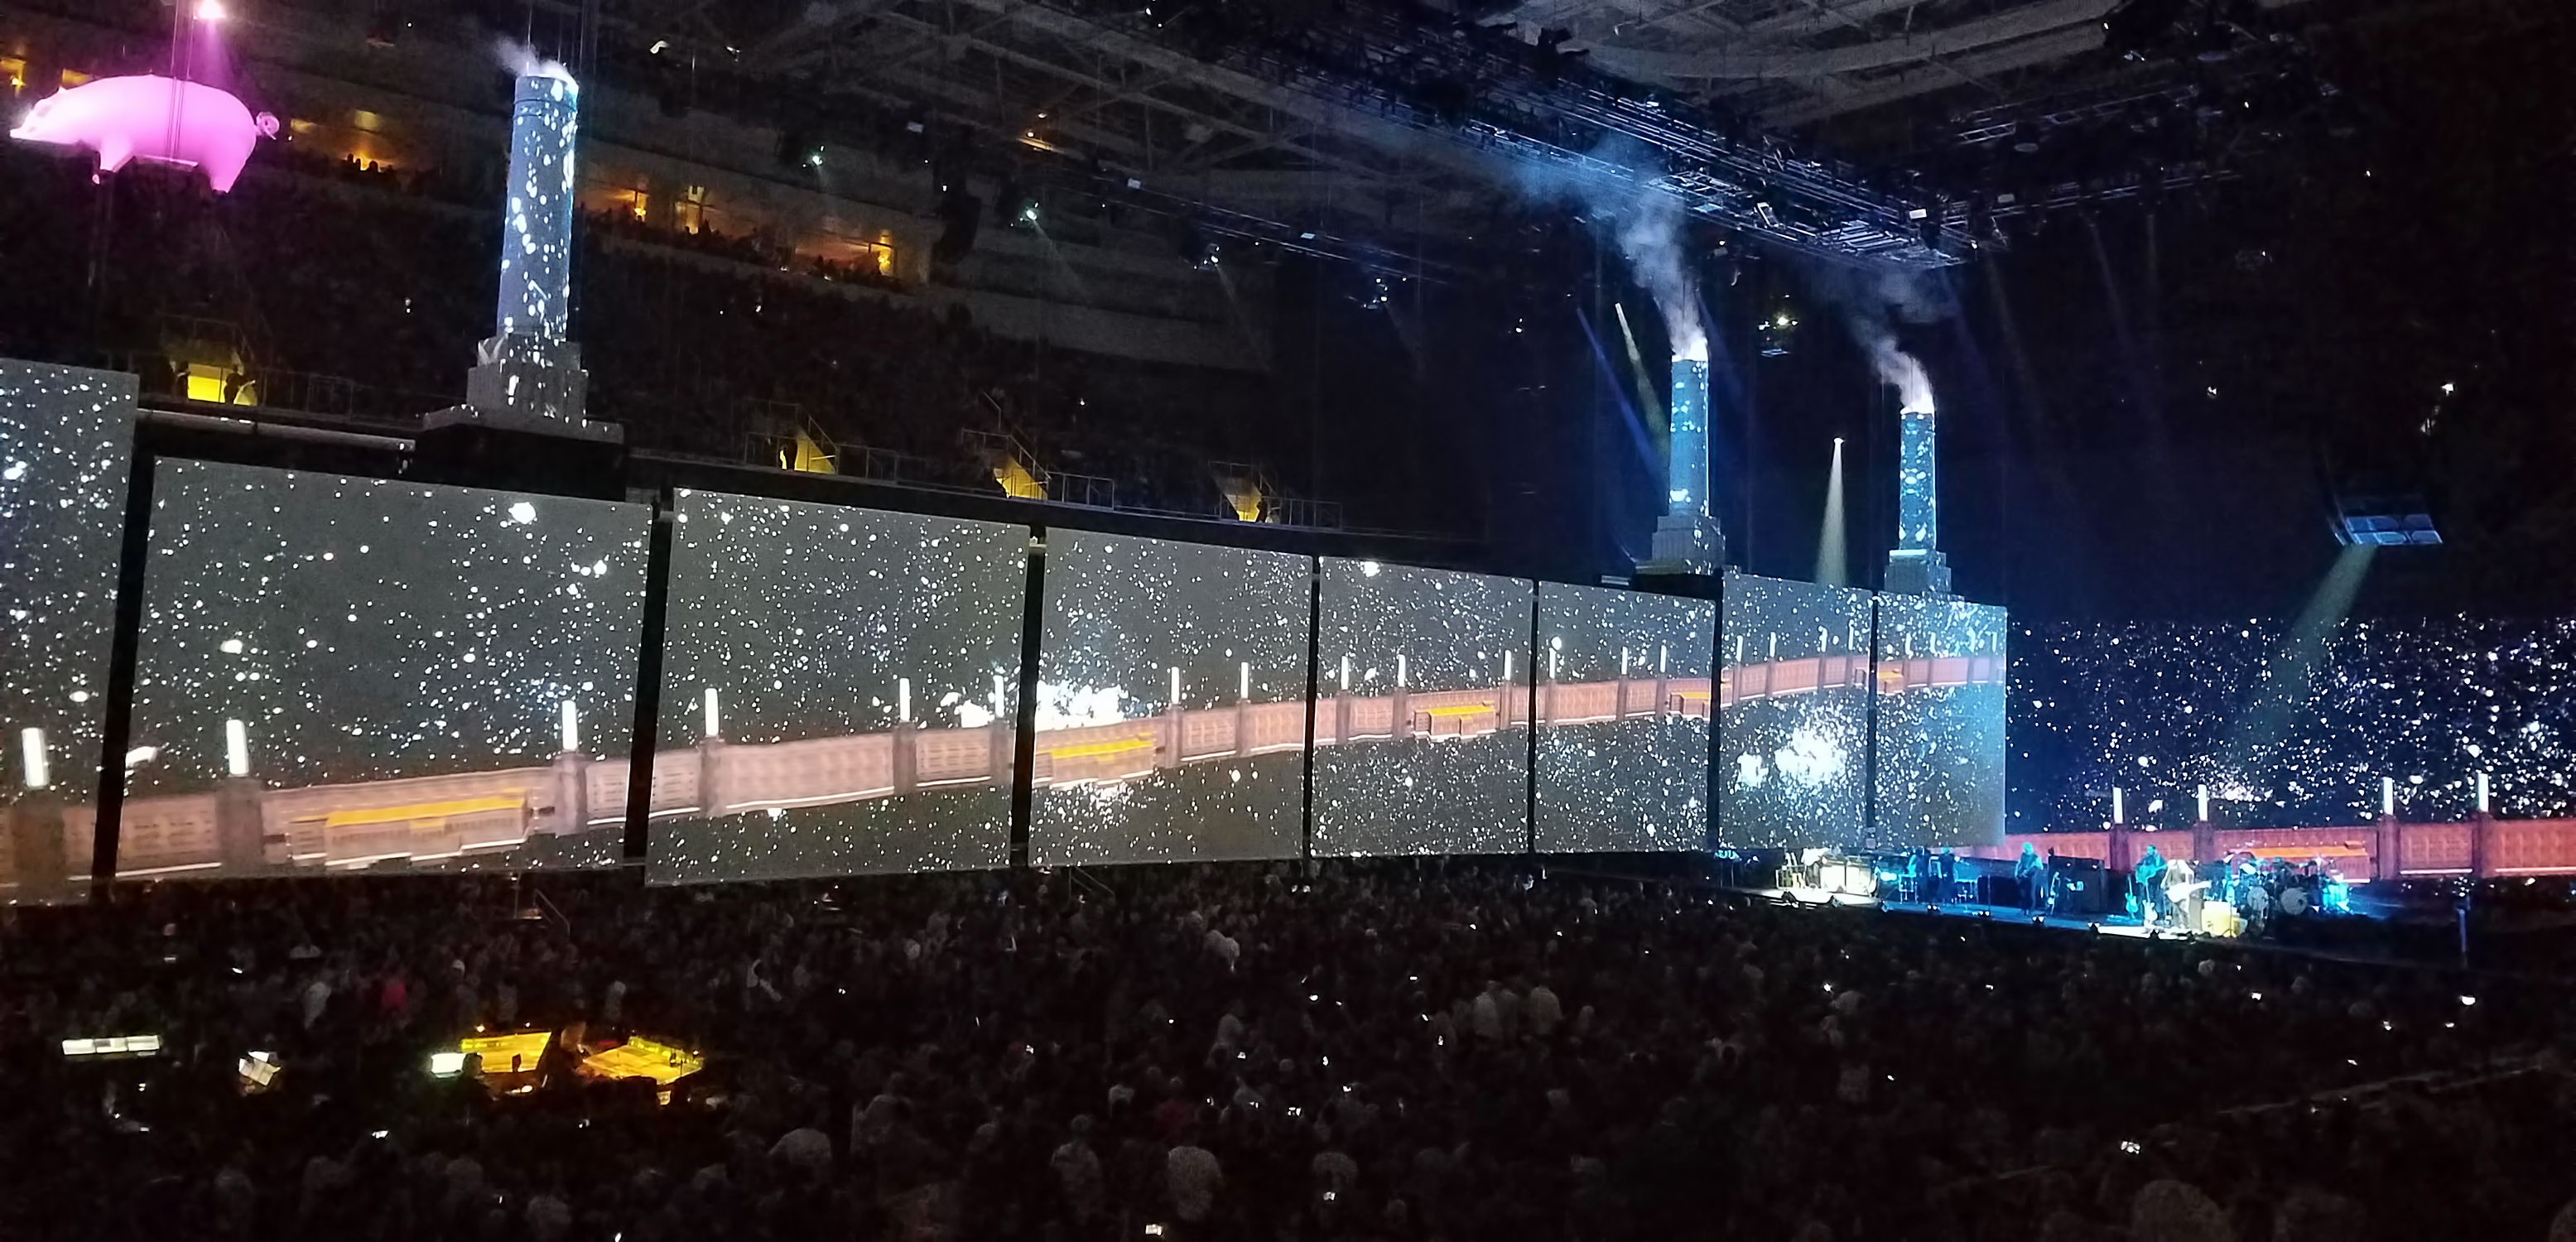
(1939, 730)
(840, 690)
(1793, 714)
(66, 438)
(339, 674)
(1171, 708)
(1624, 696)
(1423, 695)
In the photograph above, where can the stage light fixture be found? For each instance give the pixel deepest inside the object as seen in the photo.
(1776, 331)
(2374, 510)
(210, 11)
(2387, 529)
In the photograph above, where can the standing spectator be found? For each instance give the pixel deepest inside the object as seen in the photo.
(1194, 1179)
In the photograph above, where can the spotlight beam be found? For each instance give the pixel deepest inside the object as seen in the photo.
(1832, 569)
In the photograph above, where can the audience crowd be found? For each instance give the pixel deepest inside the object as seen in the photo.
(349, 288)
(1396, 1050)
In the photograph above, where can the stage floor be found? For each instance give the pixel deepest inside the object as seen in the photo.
(2360, 936)
(2106, 925)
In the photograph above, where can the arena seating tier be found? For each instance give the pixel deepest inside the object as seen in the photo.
(350, 289)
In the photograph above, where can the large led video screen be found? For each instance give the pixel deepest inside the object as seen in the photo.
(1624, 695)
(344, 674)
(1793, 714)
(840, 690)
(1939, 778)
(1171, 712)
(1422, 711)
(66, 436)
(2289, 730)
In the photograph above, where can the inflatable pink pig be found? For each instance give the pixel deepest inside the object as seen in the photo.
(148, 117)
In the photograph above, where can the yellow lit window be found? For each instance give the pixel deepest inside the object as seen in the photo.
(15, 70)
(73, 77)
(689, 215)
(205, 383)
(216, 386)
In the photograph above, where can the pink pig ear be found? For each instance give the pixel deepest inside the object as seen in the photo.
(267, 123)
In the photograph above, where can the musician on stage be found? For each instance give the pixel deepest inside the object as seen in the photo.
(2183, 887)
(2150, 886)
(2028, 876)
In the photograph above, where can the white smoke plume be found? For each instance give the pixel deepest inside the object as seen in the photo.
(1648, 225)
(1873, 302)
(1650, 234)
(524, 61)
(1899, 370)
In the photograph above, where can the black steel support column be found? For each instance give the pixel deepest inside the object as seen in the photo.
(124, 644)
(1529, 813)
(1025, 745)
(648, 682)
(1314, 687)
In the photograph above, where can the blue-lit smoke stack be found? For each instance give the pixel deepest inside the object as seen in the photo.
(1916, 566)
(1687, 540)
(528, 375)
(536, 224)
(1918, 501)
(1688, 469)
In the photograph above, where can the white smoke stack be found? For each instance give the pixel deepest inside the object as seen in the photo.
(536, 219)
(1916, 566)
(528, 373)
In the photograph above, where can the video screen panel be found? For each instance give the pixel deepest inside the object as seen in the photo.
(66, 438)
(343, 674)
(2287, 731)
(1623, 703)
(1171, 713)
(1940, 733)
(1423, 701)
(1793, 714)
(839, 692)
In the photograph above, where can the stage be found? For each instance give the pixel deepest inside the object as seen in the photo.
(2108, 925)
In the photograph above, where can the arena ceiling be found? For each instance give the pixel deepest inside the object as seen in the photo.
(1792, 63)
(1161, 93)
(1121, 91)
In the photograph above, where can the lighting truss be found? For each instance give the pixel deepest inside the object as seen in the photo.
(1378, 63)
